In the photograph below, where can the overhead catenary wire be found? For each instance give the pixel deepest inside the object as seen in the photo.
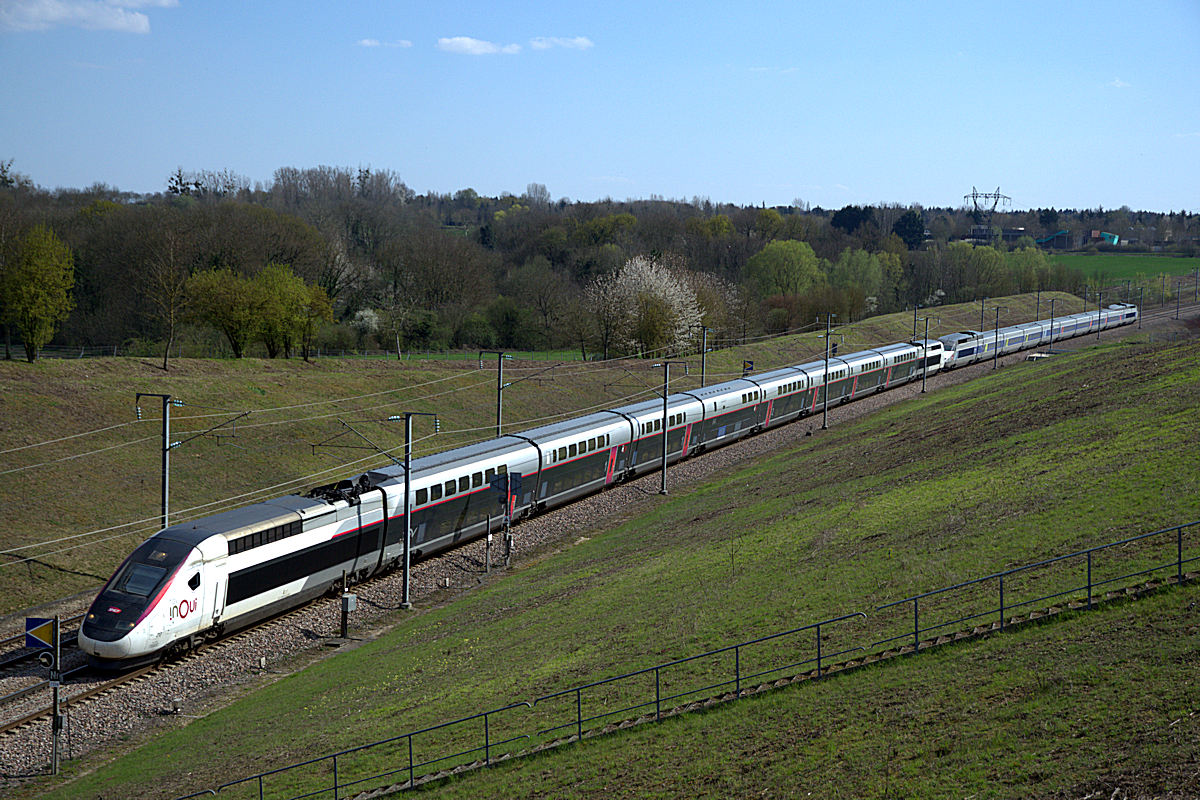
(610, 364)
(232, 501)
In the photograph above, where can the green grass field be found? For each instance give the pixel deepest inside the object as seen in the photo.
(1036, 460)
(1121, 267)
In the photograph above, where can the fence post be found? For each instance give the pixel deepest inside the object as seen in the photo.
(1089, 580)
(737, 669)
(578, 715)
(1001, 602)
(335, 779)
(260, 787)
(916, 628)
(411, 776)
(487, 742)
(1179, 554)
(657, 698)
(818, 651)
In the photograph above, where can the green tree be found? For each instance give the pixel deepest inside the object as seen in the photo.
(229, 302)
(911, 228)
(858, 269)
(37, 287)
(783, 267)
(768, 223)
(850, 218)
(283, 296)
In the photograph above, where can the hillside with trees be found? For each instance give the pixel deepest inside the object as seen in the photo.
(341, 258)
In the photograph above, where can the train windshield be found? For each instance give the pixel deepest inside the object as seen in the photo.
(149, 566)
(140, 579)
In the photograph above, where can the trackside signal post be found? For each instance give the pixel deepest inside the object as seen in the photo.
(666, 365)
(46, 633)
(166, 445)
(506, 487)
(825, 406)
(405, 602)
(501, 357)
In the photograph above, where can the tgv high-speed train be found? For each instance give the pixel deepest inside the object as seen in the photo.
(199, 579)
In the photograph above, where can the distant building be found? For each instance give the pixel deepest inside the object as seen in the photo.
(1102, 237)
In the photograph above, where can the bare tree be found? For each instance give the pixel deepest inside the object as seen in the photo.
(165, 275)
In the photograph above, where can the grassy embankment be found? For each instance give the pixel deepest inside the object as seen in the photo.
(1036, 460)
(1127, 266)
(106, 484)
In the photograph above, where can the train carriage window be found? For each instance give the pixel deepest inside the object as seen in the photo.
(608, 438)
(435, 493)
(562, 454)
(194, 582)
(582, 448)
(449, 488)
(477, 480)
(502, 469)
(464, 483)
(572, 450)
(422, 496)
(488, 474)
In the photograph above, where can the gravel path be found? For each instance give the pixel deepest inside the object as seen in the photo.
(222, 672)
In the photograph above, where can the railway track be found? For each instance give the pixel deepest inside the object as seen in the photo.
(80, 683)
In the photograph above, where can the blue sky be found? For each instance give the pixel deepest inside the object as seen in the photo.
(1059, 104)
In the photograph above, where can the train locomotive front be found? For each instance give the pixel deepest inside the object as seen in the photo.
(154, 600)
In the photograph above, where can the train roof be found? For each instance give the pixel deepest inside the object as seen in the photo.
(568, 427)
(718, 389)
(491, 448)
(655, 406)
(247, 519)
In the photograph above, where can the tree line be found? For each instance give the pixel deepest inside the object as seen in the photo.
(353, 258)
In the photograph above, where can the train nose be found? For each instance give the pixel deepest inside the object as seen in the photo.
(118, 648)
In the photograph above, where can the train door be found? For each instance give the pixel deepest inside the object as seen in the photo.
(216, 592)
(210, 573)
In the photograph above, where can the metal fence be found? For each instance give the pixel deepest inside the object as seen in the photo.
(1042, 574)
(571, 714)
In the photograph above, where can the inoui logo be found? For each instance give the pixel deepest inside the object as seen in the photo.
(184, 608)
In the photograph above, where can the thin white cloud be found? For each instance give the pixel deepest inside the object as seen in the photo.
(571, 43)
(377, 43)
(97, 15)
(1117, 83)
(465, 45)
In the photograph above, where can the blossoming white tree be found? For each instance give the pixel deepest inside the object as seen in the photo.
(646, 306)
